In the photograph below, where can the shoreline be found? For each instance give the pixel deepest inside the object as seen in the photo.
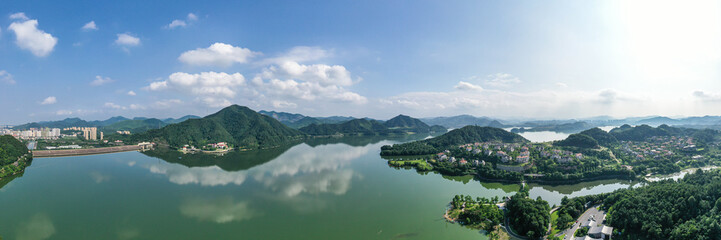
(82, 152)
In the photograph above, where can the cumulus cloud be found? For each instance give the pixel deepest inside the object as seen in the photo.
(99, 80)
(468, 86)
(218, 54)
(212, 88)
(6, 77)
(90, 26)
(127, 40)
(320, 73)
(49, 100)
(182, 23)
(501, 80)
(29, 37)
(131, 93)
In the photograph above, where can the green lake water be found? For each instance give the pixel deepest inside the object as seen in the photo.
(317, 190)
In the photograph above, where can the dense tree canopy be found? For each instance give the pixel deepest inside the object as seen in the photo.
(527, 216)
(467, 134)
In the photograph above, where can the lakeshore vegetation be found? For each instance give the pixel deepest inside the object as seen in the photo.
(14, 156)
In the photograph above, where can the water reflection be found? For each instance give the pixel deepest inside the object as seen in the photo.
(219, 210)
(38, 227)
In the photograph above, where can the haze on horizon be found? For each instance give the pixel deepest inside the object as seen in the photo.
(529, 59)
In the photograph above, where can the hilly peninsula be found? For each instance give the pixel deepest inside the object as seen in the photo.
(467, 134)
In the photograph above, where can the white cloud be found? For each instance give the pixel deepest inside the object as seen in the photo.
(176, 23)
(99, 80)
(192, 17)
(468, 86)
(162, 104)
(218, 54)
(323, 74)
(182, 23)
(131, 93)
(299, 54)
(126, 39)
(38, 227)
(114, 106)
(63, 112)
(49, 100)
(501, 80)
(136, 107)
(561, 85)
(212, 88)
(6, 77)
(90, 26)
(29, 37)
(18, 16)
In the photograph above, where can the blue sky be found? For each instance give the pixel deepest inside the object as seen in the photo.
(521, 59)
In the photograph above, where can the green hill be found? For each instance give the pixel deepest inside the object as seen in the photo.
(352, 127)
(639, 133)
(235, 124)
(408, 123)
(602, 137)
(578, 140)
(467, 134)
(134, 126)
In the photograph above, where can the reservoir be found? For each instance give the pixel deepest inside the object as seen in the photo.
(326, 189)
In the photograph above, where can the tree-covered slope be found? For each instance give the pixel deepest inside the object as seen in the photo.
(602, 137)
(352, 127)
(10, 149)
(403, 121)
(638, 133)
(467, 134)
(235, 124)
(135, 126)
(577, 140)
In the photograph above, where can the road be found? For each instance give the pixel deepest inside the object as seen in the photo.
(600, 215)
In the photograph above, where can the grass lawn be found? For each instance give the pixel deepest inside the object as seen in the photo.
(554, 228)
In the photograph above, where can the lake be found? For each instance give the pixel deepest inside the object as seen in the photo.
(324, 189)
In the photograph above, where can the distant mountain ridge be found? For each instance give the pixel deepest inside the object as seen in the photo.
(77, 122)
(400, 124)
(297, 121)
(462, 121)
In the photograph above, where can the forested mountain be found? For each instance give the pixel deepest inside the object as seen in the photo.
(235, 124)
(77, 122)
(602, 137)
(577, 140)
(467, 134)
(134, 126)
(352, 127)
(412, 125)
(297, 121)
(638, 133)
(463, 120)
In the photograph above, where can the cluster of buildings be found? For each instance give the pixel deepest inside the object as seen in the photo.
(596, 231)
(33, 133)
(89, 133)
(657, 147)
(126, 132)
(561, 156)
(506, 152)
(443, 157)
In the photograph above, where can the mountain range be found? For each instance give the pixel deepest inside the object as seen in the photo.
(111, 124)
